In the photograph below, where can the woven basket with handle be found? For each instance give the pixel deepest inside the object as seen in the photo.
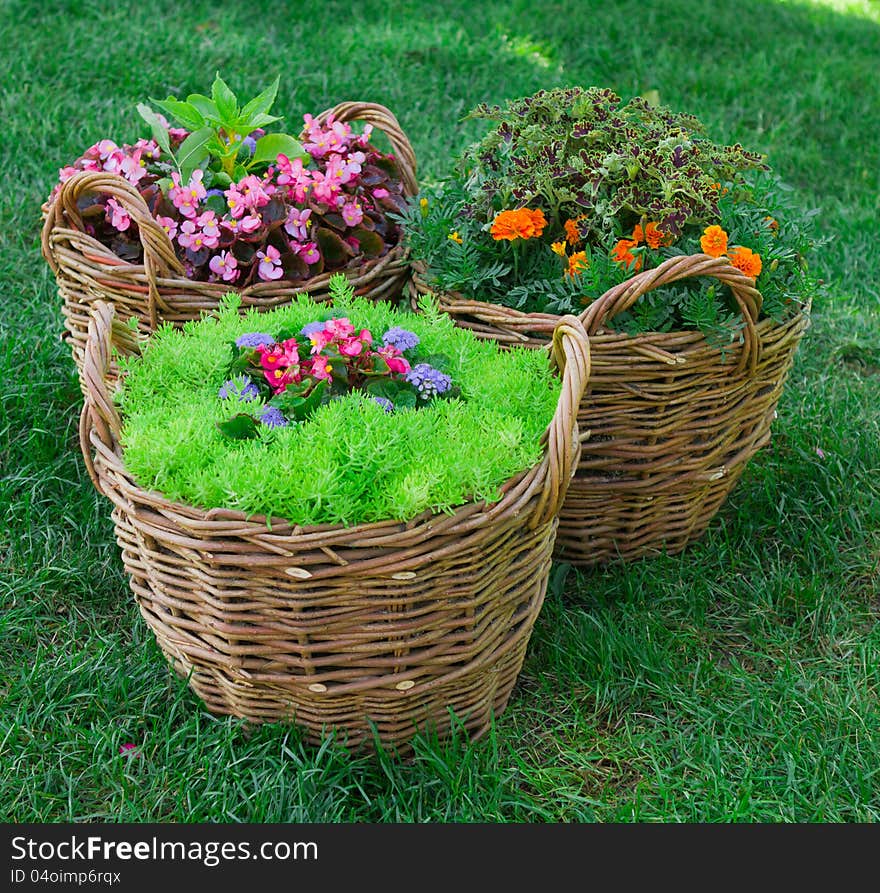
(157, 289)
(385, 625)
(672, 421)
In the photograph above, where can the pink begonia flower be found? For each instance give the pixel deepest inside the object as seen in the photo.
(169, 224)
(250, 223)
(235, 201)
(210, 228)
(340, 328)
(191, 237)
(309, 253)
(196, 189)
(114, 162)
(150, 148)
(351, 347)
(118, 216)
(186, 198)
(252, 192)
(380, 192)
(133, 168)
(66, 173)
(270, 263)
(297, 223)
(225, 266)
(320, 368)
(176, 133)
(394, 359)
(294, 176)
(352, 213)
(323, 188)
(105, 148)
(280, 378)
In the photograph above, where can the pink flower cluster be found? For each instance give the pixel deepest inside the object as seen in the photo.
(128, 161)
(337, 341)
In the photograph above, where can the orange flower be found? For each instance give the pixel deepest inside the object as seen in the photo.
(772, 223)
(653, 235)
(746, 260)
(522, 223)
(622, 253)
(572, 234)
(577, 263)
(559, 248)
(714, 241)
(638, 235)
(455, 237)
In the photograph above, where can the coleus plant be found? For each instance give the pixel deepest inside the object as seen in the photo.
(241, 205)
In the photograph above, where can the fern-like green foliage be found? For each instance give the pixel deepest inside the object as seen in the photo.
(351, 462)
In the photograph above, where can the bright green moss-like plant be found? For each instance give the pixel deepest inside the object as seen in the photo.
(349, 460)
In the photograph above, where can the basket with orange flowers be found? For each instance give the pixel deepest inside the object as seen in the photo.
(685, 259)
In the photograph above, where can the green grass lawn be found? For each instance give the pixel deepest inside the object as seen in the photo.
(738, 681)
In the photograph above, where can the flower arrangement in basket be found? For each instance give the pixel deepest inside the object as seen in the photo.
(343, 516)
(165, 226)
(685, 259)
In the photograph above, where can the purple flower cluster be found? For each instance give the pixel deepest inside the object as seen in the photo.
(254, 339)
(385, 403)
(400, 338)
(428, 381)
(310, 328)
(240, 388)
(271, 417)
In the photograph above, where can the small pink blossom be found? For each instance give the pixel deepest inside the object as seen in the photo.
(352, 213)
(394, 359)
(297, 223)
(210, 228)
(169, 224)
(270, 263)
(250, 223)
(224, 266)
(253, 192)
(320, 368)
(118, 216)
(176, 133)
(191, 237)
(235, 201)
(309, 252)
(380, 192)
(323, 188)
(820, 452)
(133, 167)
(66, 173)
(128, 750)
(293, 175)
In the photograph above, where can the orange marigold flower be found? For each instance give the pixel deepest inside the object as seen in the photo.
(559, 248)
(577, 263)
(522, 223)
(622, 253)
(714, 241)
(653, 235)
(772, 223)
(746, 260)
(455, 237)
(572, 233)
(638, 235)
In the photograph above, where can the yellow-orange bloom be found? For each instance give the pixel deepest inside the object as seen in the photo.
(454, 237)
(559, 248)
(746, 260)
(522, 223)
(622, 253)
(714, 241)
(577, 263)
(571, 231)
(772, 223)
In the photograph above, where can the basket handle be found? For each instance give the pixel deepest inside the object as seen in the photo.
(624, 295)
(159, 256)
(570, 353)
(384, 119)
(106, 332)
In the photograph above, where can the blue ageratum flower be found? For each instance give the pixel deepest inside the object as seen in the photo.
(400, 338)
(271, 417)
(385, 403)
(254, 339)
(239, 388)
(428, 381)
(310, 328)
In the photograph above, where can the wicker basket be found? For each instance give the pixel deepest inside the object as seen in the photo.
(672, 421)
(87, 271)
(390, 624)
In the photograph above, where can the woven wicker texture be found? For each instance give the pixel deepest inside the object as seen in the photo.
(87, 271)
(391, 624)
(672, 423)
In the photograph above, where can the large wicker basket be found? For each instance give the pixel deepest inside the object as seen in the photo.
(389, 625)
(87, 271)
(672, 421)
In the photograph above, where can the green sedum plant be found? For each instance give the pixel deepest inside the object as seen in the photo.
(348, 459)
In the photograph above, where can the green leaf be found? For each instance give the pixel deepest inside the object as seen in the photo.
(270, 146)
(258, 121)
(183, 112)
(193, 150)
(333, 248)
(240, 427)
(261, 103)
(216, 203)
(205, 106)
(297, 407)
(160, 134)
(371, 243)
(224, 99)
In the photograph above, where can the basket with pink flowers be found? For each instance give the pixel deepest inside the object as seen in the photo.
(217, 200)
